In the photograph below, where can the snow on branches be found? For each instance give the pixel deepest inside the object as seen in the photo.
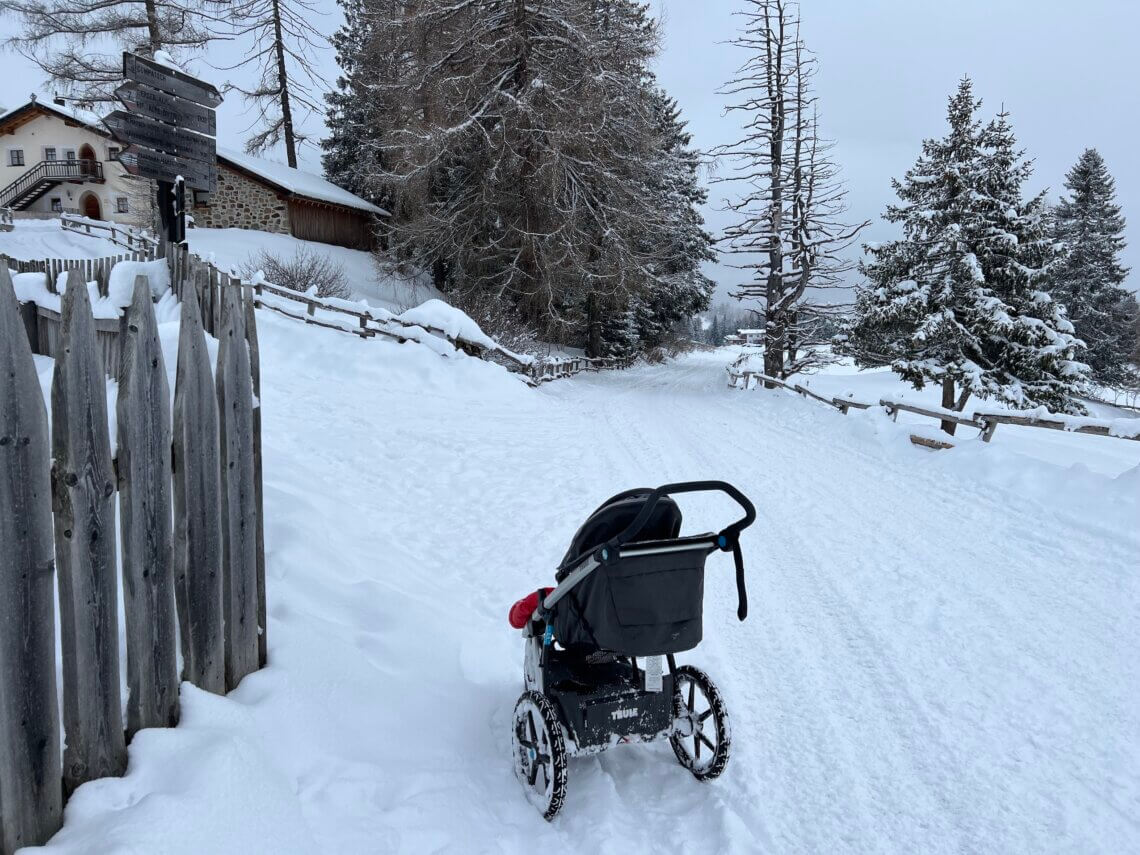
(961, 299)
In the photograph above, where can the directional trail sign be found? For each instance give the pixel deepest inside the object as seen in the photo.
(155, 104)
(147, 163)
(169, 127)
(169, 80)
(133, 129)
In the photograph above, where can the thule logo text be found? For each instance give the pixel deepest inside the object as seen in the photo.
(620, 714)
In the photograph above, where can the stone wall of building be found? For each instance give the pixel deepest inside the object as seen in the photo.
(241, 203)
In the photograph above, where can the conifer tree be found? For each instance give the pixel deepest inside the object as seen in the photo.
(959, 299)
(1089, 229)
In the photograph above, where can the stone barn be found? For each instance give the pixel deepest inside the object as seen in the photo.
(254, 193)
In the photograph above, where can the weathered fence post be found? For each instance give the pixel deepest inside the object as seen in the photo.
(144, 434)
(239, 510)
(258, 485)
(198, 523)
(31, 804)
(83, 488)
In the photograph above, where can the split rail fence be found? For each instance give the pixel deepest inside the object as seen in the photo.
(124, 236)
(185, 482)
(985, 422)
(365, 323)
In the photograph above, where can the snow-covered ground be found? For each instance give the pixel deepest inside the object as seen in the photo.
(940, 655)
(36, 239)
(228, 248)
(237, 248)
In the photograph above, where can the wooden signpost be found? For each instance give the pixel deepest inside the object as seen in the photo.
(169, 80)
(168, 126)
(154, 104)
(135, 129)
(165, 167)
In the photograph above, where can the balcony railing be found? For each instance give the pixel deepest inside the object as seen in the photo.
(52, 171)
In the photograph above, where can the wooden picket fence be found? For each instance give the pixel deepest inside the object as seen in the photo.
(187, 486)
(984, 421)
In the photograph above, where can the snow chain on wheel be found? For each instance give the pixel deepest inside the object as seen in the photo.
(539, 752)
(701, 736)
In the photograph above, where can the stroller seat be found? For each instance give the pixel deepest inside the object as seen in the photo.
(647, 600)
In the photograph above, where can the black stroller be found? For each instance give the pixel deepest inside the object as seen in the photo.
(630, 593)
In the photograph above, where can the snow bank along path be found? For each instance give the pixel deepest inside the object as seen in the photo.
(940, 655)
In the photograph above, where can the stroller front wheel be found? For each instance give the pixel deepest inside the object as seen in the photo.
(701, 734)
(539, 752)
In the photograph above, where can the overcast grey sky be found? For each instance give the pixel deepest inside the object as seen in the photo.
(1067, 71)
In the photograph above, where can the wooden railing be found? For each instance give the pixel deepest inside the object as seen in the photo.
(188, 493)
(985, 422)
(51, 171)
(125, 236)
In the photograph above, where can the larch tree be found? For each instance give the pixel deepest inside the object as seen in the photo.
(78, 44)
(959, 300)
(284, 45)
(789, 230)
(1089, 278)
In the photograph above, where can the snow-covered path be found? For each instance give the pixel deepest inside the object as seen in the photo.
(940, 655)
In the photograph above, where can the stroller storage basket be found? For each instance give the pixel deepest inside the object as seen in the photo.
(643, 604)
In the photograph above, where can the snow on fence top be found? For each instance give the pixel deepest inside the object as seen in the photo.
(742, 374)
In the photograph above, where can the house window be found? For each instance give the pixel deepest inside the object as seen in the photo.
(49, 153)
(112, 152)
(69, 154)
(121, 205)
(57, 204)
(15, 157)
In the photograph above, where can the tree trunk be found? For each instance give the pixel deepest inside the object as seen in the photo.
(153, 36)
(593, 325)
(948, 402)
(283, 84)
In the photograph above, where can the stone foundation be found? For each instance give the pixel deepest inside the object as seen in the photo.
(240, 203)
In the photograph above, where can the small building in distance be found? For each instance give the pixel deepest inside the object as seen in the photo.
(56, 158)
(59, 159)
(255, 193)
(751, 337)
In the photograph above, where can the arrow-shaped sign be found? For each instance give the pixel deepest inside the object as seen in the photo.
(145, 101)
(135, 130)
(169, 80)
(147, 163)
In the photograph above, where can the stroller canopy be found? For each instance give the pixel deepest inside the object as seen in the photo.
(613, 517)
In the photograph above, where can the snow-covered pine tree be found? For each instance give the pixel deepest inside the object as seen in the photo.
(789, 229)
(78, 44)
(520, 146)
(959, 300)
(1089, 230)
(675, 242)
(284, 44)
(359, 109)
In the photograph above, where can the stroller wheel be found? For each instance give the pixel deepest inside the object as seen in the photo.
(539, 752)
(701, 734)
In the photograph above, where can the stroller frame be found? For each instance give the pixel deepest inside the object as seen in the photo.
(584, 701)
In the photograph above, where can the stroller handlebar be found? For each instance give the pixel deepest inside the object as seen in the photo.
(730, 533)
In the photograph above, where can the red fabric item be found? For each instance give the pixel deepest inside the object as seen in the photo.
(524, 608)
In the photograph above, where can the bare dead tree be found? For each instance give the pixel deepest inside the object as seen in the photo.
(285, 46)
(78, 44)
(789, 230)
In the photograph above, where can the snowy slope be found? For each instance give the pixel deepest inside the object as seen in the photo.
(233, 248)
(940, 655)
(35, 239)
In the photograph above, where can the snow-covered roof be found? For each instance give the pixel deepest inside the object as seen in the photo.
(299, 183)
(86, 118)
